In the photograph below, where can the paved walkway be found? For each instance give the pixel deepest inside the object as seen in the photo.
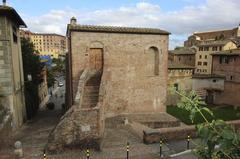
(34, 135)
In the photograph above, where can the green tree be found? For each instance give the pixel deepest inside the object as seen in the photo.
(178, 47)
(219, 140)
(31, 66)
(50, 78)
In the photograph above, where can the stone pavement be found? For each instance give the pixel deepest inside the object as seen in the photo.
(34, 135)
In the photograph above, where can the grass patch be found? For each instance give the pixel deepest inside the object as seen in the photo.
(225, 113)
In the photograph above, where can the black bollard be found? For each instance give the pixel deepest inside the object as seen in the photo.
(88, 154)
(44, 154)
(188, 142)
(161, 148)
(127, 150)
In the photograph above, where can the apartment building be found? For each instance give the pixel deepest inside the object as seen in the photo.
(203, 61)
(227, 64)
(47, 44)
(223, 34)
(185, 56)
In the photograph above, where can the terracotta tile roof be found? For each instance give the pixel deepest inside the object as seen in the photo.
(172, 65)
(183, 51)
(227, 52)
(214, 43)
(116, 29)
(12, 14)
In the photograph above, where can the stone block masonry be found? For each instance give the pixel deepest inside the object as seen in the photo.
(133, 66)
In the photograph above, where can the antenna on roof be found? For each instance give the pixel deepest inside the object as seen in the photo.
(4, 2)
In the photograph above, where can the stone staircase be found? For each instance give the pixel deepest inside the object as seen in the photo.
(91, 91)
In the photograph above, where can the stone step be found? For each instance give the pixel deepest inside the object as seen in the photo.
(93, 95)
(89, 105)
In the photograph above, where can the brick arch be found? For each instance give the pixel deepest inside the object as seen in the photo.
(96, 45)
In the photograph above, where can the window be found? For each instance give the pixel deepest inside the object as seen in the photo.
(220, 48)
(200, 56)
(206, 48)
(179, 59)
(214, 81)
(231, 77)
(200, 48)
(223, 59)
(199, 63)
(176, 86)
(214, 48)
(204, 63)
(205, 56)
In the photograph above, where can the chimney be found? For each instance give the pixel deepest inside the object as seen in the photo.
(4, 2)
(73, 21)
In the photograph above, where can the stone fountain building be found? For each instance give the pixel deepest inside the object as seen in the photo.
(110, 71)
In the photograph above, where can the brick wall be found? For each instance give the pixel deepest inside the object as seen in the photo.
(130, 84)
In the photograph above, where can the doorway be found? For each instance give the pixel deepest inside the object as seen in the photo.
(96, 59)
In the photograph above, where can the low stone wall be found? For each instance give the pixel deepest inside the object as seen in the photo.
(155, 135)
(5, 131)
(78, 128)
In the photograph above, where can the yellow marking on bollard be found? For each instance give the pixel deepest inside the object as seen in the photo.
(88, 153)
(127, 146)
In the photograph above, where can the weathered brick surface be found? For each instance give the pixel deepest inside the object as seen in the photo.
(128, 80)
(82, 125)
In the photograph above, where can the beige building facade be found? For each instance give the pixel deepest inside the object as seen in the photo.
(180, 78)
(11, 69)
(47, 44)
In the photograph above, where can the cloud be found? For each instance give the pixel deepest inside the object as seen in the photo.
(53, 22)
(214, 14)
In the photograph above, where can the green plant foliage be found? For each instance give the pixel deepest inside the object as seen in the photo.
(31, 66)
(219, 140)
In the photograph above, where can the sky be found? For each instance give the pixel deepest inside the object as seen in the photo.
(180, 17)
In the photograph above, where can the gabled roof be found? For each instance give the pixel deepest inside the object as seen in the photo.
(172, 65)
(12, 14)
(116, 29)
(183, 51)
(214, 43)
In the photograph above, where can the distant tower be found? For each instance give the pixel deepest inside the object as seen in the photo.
(73, 21)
